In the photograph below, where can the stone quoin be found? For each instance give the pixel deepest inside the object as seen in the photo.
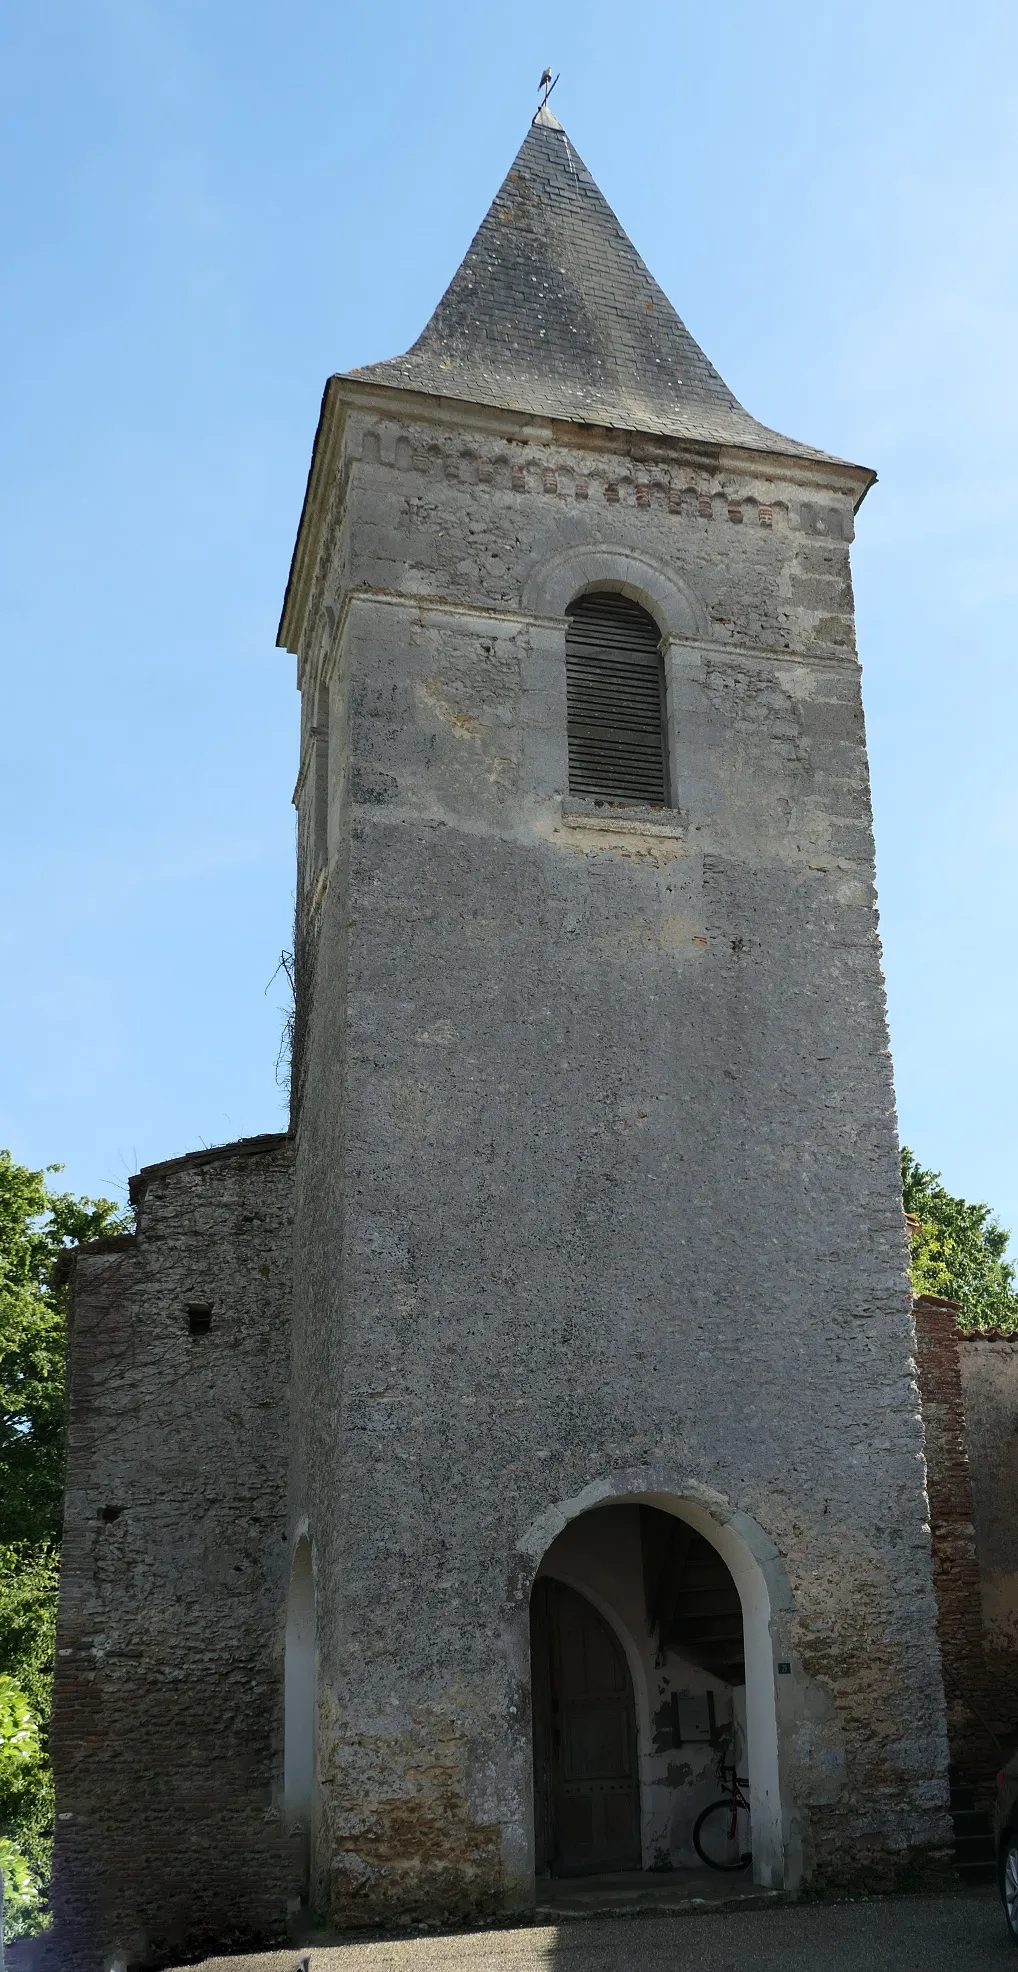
(549, 1417)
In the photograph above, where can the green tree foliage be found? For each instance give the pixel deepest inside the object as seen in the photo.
(26, 1808)
(36, 1225)
(958, 1251)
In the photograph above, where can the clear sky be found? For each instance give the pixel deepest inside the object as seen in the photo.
(217, 205)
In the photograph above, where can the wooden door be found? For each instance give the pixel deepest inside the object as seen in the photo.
(586, 1787)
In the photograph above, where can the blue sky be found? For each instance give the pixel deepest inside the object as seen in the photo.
(216, 206)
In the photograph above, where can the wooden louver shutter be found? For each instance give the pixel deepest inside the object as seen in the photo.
(615, 701)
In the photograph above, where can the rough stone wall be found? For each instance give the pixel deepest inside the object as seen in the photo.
(971, 1705)
(988, 1367)
(597, 1168)
(167, 1722)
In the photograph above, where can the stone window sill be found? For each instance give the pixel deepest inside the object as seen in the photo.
(628, 816)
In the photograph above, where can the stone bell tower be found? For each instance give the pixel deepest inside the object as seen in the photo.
(600, 1263)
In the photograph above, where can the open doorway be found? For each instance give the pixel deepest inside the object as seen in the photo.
(639, 1694)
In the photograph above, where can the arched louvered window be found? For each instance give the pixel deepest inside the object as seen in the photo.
(615, 701)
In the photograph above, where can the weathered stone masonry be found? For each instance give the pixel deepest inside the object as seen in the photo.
(480, 921)
(167, 1729)
(597, 1189)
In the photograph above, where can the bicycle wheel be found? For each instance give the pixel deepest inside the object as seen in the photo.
(721, 1836)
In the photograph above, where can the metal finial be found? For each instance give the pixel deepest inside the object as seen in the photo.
(547, 85)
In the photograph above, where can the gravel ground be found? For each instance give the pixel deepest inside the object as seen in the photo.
(900, 1934)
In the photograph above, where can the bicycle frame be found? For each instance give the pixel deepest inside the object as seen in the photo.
(732, 1783)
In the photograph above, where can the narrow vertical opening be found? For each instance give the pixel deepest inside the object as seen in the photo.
(299, 1693)
(321, 780)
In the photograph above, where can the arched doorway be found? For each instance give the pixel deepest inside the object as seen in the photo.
(635, 1617)
(586, 1777)
(299, 1674)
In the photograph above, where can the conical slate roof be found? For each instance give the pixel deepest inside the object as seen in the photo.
(553, 313)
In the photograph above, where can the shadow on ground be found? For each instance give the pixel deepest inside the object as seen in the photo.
(955, 1933)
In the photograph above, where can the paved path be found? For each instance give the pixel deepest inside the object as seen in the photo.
(962, 1933)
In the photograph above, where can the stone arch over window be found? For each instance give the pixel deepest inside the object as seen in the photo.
(299, 1689)
(754, 1566)
(551, 585)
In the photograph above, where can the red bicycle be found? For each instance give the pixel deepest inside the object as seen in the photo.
(721, 1835)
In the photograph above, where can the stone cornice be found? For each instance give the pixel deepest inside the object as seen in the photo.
(343, 394)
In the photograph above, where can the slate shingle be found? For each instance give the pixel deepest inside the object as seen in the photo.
(553, 313)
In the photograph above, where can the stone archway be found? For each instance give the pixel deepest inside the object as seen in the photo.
(754, 1567)
(553, 581)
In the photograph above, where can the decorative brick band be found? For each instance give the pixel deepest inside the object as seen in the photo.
(706, 499)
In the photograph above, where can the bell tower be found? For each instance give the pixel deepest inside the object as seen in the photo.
(600, 1262)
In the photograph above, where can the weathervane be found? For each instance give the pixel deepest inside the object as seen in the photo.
(547, 85)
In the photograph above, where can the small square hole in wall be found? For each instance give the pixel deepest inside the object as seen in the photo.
(199, 1317)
